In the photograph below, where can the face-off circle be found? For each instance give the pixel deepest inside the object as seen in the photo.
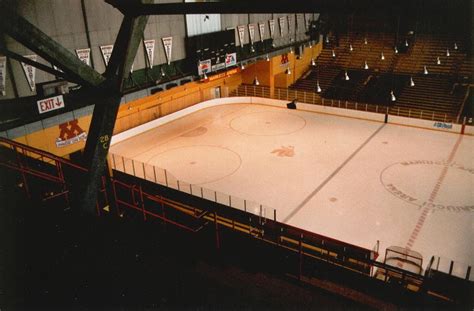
(416, 181)
(198, 164)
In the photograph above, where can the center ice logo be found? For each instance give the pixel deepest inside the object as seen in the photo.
(437, 185)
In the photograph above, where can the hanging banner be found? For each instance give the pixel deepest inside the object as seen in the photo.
(241, 30)
(230, 59)
(150, 51)
(106, 53)
(30, 72)
(299, 18)
(305, 22)
(290, 23)
(3, 72)
(84, 55)
(204, 67)
(281, 21)
(272, 27)
(261, 28)
(252, 33)
(168, 45)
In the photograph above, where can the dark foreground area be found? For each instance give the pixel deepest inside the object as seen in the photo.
(54, 259)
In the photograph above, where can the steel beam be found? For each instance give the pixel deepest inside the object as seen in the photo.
(37, 41)
(105, 114)
(275, 6)
(37, 65)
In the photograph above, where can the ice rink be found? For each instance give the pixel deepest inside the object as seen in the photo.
(353, 180)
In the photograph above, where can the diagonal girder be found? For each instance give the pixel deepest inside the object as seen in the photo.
(37, 41)
(104, 116)
(37, 65)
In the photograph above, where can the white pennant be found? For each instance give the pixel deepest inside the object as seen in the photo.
(241, 30)
(261, 28)
(3, 72)
(272, 27)
(281, 20)
(251, 33)
(84, 55)
(30, 72)
(150, 51)
(106, 53)
(168, 45)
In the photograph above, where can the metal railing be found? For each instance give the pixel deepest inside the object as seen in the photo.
(316, 99)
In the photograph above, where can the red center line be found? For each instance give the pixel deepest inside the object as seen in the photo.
(434, 193)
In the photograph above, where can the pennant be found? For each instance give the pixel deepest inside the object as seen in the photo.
(299, 17)
(150, 51)
(281, 21)
(168, 45)
(241, 30)
(251, 33)
(84, 55)
(272, 27)
(30, 72)
(106, 53)
(261, 28)
(3, 72)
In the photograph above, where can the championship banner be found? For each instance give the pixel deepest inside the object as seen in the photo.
(251, 33)
(3, 72)
(305, 22)
(84, 55)
(241, 30)
(272, 27)
(231, 59)
(30, 72)
(261, 28)
(204, 67)
(168, 45)
(299, 18)
(150, 51)
(106, 53)
(281, 21)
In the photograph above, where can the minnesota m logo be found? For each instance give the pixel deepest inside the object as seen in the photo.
(70, 133)
(70, 129)
(284, 59)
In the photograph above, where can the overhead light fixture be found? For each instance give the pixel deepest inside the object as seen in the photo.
(392, 96)
(273, 45)
(351, 48)
(327, 39)
(438, 61)
(252, 49)
(162, 72)
(204, 76)
(333, 53)
(346, 76)
(455, 46)
(288, 71)
(242, 67)
(412, 83)
(291, 50)
(267, 58)
(366, 66)
(447, 53)
(318, 87)
(255, 81)
(406, 42)
(365, 40)
(382, 57)
(313, 62)
(425, 70)
(396, 50)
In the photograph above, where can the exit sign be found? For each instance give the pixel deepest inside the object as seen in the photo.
(50, 104)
